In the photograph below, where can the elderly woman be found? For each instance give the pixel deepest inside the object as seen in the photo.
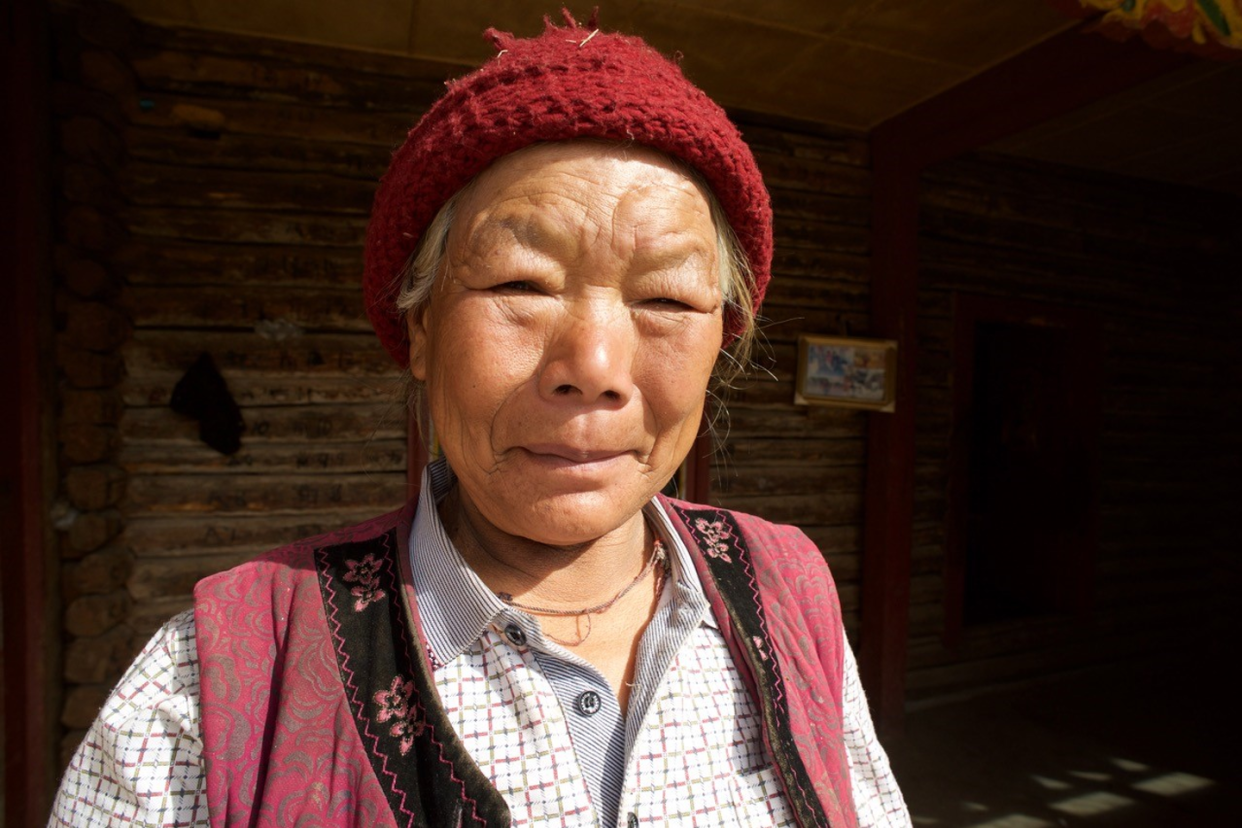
(559, 252)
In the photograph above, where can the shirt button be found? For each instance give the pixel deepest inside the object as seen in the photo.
(631, 821)
(588, 703)
(515, 635)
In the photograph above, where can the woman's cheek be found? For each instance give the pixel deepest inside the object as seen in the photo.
(681, 361)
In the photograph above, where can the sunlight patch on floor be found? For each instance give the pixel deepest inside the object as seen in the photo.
(1092, 776)
(1091, 804)
(1051, 784)
(1129, 765)
(1173, 784)
(1013, 821)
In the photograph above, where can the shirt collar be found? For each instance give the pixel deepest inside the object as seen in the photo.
(455, 606)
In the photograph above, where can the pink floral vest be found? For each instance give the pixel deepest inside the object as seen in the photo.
(318, 700)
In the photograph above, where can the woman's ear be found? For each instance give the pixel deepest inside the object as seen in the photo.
(416, 326)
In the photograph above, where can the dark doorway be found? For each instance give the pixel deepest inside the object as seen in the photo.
(1023, 507)
(1021, 459)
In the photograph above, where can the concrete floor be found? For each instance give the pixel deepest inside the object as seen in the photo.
(1139, 746)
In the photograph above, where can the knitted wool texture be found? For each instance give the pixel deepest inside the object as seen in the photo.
(570, 82)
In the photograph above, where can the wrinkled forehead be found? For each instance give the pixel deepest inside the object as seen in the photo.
(588, 184)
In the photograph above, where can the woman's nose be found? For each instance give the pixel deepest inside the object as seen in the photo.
(589, 358)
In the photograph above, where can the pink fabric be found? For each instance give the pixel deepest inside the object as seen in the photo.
(279, 740)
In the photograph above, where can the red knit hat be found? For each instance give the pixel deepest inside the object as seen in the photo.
(569, 82)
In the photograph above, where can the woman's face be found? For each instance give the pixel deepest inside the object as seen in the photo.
(568, 342)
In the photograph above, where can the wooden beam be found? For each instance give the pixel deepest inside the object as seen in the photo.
(30, 631)
(1063, 73)
(1059, 75)
(889, 494)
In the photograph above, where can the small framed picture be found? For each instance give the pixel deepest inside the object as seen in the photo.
(846, 371)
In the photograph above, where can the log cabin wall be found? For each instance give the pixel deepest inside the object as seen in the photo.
(91, 328)
(804, 464)
(214, 194)
(1155, 268)
(219, 189)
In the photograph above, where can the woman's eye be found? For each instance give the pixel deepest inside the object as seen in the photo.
(518, 286)
(667, 303)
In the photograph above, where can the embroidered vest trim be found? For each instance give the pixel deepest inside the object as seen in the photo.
(410, 743)
(327, 629)
(730, 581)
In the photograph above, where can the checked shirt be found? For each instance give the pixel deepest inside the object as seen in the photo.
(687, 752)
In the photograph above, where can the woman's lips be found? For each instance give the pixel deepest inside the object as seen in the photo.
(557, 455)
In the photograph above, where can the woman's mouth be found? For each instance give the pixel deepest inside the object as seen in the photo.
(562, 456)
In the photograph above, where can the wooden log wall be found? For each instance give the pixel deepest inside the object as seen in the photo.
(804, 464)
(1158, 266)
(91, 328)
(228, 219)
(215, 190)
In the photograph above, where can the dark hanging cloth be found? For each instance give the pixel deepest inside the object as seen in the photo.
(203, 394)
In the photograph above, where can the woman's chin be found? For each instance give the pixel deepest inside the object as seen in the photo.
(569, 518)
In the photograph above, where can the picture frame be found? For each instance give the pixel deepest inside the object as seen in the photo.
(847, 372)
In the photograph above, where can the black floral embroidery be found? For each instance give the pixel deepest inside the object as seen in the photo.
(727, 553)
(426, 772)
(394, 705)
(714, 537)
(364, 573)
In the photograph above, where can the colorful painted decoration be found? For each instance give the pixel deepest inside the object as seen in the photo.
(1207, 24)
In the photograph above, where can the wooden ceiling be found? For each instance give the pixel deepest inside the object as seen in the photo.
(845, 63)
(850, 63)
(1184, 127)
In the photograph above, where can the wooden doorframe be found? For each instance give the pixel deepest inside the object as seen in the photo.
(31, 613)
(1066, 71)
(1083, 329)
